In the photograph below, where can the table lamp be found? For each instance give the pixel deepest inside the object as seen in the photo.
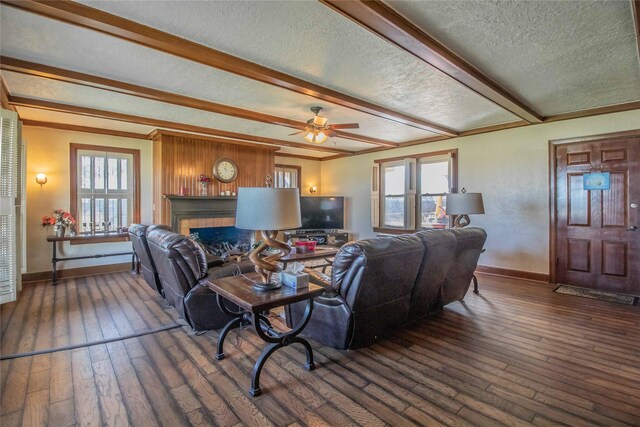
(462, 204)
(268, 210)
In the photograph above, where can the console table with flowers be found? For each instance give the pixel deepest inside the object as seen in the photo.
(85, 238)
(62, 220)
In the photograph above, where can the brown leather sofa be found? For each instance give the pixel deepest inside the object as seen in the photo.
(182, 265)
(138, 237)
(380, 284)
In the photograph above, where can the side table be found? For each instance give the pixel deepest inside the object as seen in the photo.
(88, 238)
(253, 304)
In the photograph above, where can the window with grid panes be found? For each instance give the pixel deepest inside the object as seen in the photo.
(105, 188)
(287, 176)
(393, 184)
(412, 201)
(434, 185)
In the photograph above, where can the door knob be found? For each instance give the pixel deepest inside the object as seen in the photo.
(632, 228)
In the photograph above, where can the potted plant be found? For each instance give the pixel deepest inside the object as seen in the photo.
(60, 220)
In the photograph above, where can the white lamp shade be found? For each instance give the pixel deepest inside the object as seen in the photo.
(264, 208)
(464, 203)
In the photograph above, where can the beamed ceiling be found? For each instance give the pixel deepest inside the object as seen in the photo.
(407, 71)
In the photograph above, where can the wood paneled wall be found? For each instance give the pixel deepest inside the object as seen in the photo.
(178, 161)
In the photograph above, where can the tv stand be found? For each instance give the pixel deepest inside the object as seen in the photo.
(310, 231)
(335, 238)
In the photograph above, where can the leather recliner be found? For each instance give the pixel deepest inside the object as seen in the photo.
(182, 266)
(380, 284)
(138, 237)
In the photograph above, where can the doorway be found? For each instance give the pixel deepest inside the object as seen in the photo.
(595, 236)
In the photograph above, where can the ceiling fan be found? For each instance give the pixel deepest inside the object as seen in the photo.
(317, 130)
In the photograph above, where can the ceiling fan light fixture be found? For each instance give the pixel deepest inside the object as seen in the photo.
(310, 136)
(320, 121)
(321, 137)
(318, 131)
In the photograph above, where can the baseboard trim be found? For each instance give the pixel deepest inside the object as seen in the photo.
(125, 266)
(76, 272)
(498, 271)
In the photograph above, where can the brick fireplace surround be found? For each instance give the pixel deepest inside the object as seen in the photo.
(201, 211)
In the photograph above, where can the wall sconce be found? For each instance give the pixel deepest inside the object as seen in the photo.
(313, 189)
(41, 179)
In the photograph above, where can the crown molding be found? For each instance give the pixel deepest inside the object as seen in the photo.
(93, 112)
(86, 129)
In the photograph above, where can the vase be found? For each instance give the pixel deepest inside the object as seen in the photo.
(203, 189)
(59, 230)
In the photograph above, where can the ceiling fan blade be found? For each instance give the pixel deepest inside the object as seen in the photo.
(346, 126)
(296, 133)
(329, 132)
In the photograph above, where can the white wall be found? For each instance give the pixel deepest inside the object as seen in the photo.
(310, 172)
(510, 168)
(48, 152)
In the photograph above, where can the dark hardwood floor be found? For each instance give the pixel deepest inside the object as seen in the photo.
(516, 354)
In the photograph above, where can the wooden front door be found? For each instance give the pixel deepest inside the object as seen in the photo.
(597, 236)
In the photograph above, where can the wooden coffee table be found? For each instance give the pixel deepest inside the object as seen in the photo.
(253, 304)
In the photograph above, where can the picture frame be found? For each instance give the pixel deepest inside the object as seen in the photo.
(596, 181)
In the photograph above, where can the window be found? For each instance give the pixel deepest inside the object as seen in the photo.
(393, 184)
(435, 177)
(287, 176)
(413, 191)
(104, 187)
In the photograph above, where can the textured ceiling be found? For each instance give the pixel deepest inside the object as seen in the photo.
(72, 119)
(308, 40)
(41, 40)
(555, 56)
(560, 56)
(66, 93)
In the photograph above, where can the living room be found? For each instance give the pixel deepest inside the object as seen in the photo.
(494, 91)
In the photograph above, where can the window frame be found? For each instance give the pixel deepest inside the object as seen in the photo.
(299, 173)
(453, 153)
(420, 193)
(383, 196)
(73, 175)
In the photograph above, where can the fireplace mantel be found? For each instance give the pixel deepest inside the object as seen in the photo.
(187, 207)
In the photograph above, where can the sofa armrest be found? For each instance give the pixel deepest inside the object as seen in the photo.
(320, 279)
(331, 323)
(213, 261)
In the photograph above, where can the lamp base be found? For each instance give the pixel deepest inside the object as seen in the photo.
(266, 287)
(267, 265)
(461, 221)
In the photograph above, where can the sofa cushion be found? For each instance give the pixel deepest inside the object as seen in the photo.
(440, 249)
(192, 254)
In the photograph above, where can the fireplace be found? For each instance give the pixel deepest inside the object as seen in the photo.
(198, 212)
(210, 221)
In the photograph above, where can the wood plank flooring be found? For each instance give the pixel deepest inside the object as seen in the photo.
(516, 354)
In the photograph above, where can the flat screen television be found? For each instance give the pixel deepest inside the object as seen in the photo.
(322, 213)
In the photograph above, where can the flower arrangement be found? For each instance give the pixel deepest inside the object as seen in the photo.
(204, 183)
(60, 217)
